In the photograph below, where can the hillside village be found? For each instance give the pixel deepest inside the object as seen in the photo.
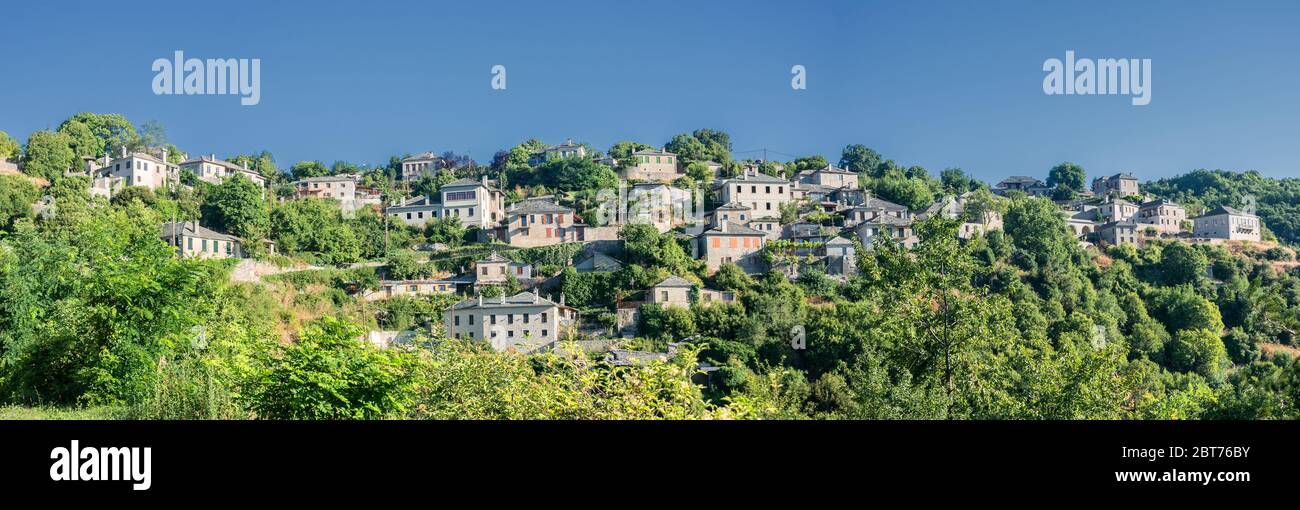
(638, 253)
(758, 212)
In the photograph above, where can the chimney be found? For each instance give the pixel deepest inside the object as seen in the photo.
(480, 299)
(722, 225)
(212, 156)
(105, 158)
(124, 151)
(561, 299)
(534, 298)
(164, 155)
(484, 181)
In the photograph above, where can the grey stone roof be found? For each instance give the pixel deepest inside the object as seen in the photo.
(653, 152)
(599, 262)
(423, 156)
(518, 300)
(1223, 209)
(538, 205)
(873, 203)
(1159, 202)
(675, 281)
(734, 228)
(838, 241)
(192, 229)
(495, 257)
(756, 177)
(732, 206)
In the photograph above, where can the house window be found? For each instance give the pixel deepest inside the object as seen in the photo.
(510, 318)
(457, 320)
(493, 318)
(717, 242)
(545, 332)
(205, 245)
(731, 242)
(526, 316)
(663, 295)
(543, 317)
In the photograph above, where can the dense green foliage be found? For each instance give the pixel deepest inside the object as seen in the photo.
(1276, 201)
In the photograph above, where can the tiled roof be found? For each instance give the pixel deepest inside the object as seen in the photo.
(734, 228)
(675, 281)
(538, 205)
(520, 299)
(192, 229)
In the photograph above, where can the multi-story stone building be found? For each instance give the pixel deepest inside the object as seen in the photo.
(1117, 209)
(762, 193)
(1028, 185)
(1118, 233)
(414, 167)
(135, 169)
(731, 242)
(653, 165)
(1225, 222)
(831, 177)
(661, 205)
(540, 222)
(1163, 216)
(497, 270)
(522, 322)
(568, 149)
(1122, 184)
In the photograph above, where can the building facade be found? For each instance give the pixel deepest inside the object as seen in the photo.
(653, 165)
(762, 193)
(1224, 222)
(192, 240)
(212, 170)
(522, 322)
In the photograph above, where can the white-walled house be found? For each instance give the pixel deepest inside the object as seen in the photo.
(1228, 223)
(135, 169)
(212, 170)
(653, 165)
(522, 322)
(475, 203)
(192, 240)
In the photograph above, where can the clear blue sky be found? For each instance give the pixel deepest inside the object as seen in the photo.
(937, 84)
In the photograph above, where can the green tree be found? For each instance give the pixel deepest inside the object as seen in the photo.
(861, 159)
(1182, 263)
(17, 194)
(1066, 176)
(237, 207)
(49, 155)
(330, 374)
(9, 148)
